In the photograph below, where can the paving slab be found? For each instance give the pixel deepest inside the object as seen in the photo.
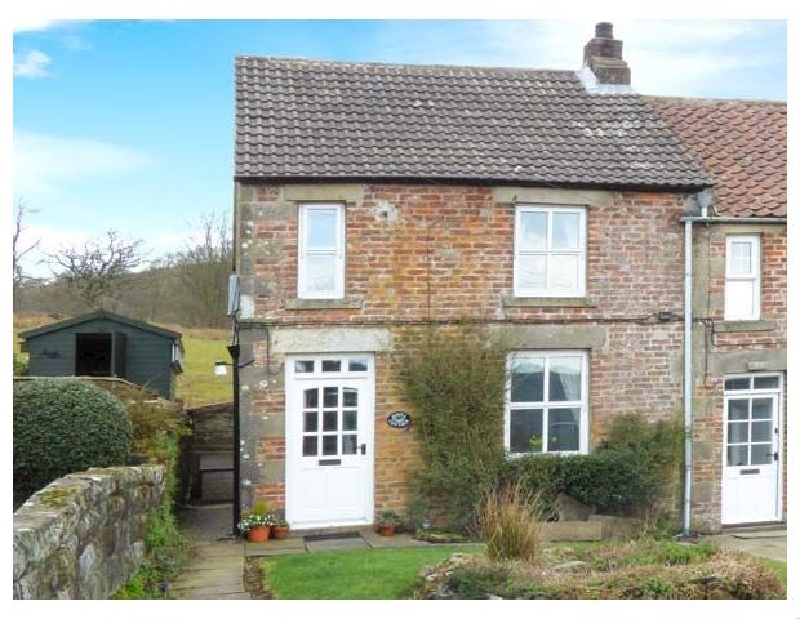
(356, 543)
(207, 593)
(267, 551)
(191, 579)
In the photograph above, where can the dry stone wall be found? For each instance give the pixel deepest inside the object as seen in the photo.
(83, 536)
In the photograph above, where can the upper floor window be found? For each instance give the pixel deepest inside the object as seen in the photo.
(742, 278)
(547, 402)
(550, 252)
(320, 272)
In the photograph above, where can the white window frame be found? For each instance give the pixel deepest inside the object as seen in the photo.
(754, 276)
(750, 393)
(519, 250)
(546, 405)
(336, 252)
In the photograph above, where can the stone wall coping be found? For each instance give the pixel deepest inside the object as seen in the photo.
(323, 304)
(509, 301)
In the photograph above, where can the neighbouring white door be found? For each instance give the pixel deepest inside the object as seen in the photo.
(329, 440)
(751, 479)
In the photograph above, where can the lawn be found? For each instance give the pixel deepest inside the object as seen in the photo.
(776, 567)
(379, 574)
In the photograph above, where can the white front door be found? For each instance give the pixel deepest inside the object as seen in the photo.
(329, 430)
(751, 479)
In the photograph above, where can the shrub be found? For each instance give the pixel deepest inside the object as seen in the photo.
(62, 426)
(510, 522)
(657, 448)
(20, 364)
(610, 481)
(454, 380)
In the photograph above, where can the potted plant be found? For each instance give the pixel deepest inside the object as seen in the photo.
(387, 522)
(258, 523)
(280, 530)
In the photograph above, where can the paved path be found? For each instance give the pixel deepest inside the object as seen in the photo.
(769, 544)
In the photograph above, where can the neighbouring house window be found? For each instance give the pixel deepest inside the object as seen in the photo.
(550, 252)
(742, 278)
(546, 402)
(320, 272)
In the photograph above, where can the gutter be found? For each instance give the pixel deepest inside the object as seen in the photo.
(734, 220)
(688, 283)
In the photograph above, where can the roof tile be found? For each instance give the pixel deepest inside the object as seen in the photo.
(742, 144)
(447, 122)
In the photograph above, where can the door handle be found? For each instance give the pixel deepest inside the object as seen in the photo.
(775, 456)
(363, 448)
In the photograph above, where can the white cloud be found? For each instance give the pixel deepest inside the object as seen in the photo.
(45, 164)
(674, 57)
(24, 23)
(32, 64)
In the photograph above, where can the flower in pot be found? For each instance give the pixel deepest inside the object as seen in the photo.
(258, 523)
(280, 530)
(388, 520)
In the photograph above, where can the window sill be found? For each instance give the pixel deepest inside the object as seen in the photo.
(322, 304)
(548, 302)
(742, 326)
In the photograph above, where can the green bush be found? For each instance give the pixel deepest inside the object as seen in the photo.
(62, 426)
(611, 481)
(20, 364)
(454, 380)
(657, 448)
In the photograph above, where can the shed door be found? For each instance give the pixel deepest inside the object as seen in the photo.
(120, 342)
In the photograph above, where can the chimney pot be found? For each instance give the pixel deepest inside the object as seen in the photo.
(604, 30)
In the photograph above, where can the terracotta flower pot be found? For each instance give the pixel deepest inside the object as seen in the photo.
(280, 531)
(386, 529)
(258, 534)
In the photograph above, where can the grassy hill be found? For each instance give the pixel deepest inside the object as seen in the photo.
(197, 385)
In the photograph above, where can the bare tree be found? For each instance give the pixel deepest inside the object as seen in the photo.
(20, 250)
(97, 270)
(203, 270)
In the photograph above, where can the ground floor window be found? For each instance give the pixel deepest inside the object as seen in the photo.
(546, 402)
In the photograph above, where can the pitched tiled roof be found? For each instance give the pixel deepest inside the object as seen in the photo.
(743, 146)
(302, 119)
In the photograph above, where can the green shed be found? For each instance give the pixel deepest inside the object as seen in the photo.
(103, 344)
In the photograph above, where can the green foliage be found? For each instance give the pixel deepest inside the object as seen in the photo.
(643, 570)
(454, 380)
(477, 582)
(510, 522)
(167, 548)
(388, 516)
(657, 448)
(20, 364)
(632, 473)
(63, 426)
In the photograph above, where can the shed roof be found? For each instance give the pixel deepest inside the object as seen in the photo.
(99, 315)
(313, 120)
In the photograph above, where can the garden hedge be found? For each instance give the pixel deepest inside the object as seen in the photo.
(62, 426)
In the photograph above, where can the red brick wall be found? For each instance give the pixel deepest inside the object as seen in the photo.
(449, 255)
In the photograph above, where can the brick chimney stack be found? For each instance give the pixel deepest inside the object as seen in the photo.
(603, 55)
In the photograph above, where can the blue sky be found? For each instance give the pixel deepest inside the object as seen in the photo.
(129, 124)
